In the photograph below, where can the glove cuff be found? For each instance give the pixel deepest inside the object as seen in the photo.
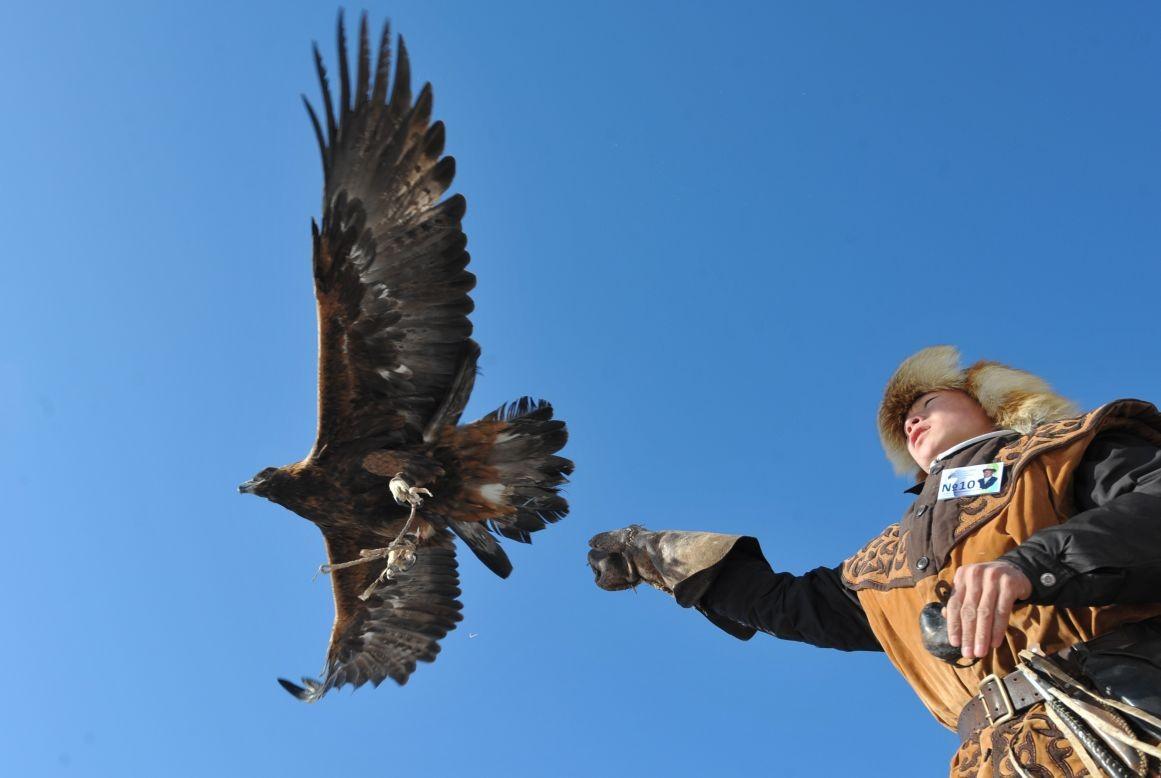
(685, 561)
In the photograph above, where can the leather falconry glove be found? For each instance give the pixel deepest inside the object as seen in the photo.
(668, 560)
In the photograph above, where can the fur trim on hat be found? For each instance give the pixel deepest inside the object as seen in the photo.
(1012, 398)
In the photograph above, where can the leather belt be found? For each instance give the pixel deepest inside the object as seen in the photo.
(999, 700)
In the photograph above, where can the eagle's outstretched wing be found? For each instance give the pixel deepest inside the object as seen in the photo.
(399, 625)
(389, 260)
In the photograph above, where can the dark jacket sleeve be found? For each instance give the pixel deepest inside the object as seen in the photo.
(1110, 551)
(746, 594)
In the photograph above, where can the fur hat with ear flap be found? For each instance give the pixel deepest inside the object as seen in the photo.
(1012, 398)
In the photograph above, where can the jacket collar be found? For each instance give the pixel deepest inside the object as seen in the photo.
(970, 442)
(958, 447)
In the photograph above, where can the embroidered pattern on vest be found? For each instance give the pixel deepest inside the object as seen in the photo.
(881, 564)
(1032, 739)
(976, 511)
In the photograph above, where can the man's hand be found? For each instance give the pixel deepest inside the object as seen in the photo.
(981, 603)
(609, 561)
(620, 559)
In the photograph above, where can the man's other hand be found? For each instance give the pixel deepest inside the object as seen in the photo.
(981, 603)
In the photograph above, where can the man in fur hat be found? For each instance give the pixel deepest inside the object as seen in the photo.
(1061, 557)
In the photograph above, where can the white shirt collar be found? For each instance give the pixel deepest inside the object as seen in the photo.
(964, 444)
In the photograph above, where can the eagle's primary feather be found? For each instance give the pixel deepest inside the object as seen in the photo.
(396, 367)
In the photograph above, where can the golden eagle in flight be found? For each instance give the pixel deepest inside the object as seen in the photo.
(392, 474)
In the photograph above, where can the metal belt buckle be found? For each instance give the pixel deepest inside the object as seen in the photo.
(1010, 711)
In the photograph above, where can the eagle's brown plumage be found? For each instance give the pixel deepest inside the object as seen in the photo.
(396, 368)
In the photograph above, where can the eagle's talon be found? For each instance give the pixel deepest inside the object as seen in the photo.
(401, 558)
(406, 494)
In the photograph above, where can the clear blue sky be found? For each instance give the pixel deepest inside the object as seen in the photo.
(706, 235)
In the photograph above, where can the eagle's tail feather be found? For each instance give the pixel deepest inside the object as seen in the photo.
(514, 481)
(524, 454)
(483, 545)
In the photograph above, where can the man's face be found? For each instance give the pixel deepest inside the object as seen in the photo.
(939, 420)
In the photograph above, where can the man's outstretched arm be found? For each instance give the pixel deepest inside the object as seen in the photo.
(728, 579)
(812, 608)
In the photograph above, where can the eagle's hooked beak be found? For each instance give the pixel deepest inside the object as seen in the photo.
(249, 486)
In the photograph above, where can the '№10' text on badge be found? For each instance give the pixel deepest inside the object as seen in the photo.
(970, 481)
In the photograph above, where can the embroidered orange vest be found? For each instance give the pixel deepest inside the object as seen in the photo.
(895, 575)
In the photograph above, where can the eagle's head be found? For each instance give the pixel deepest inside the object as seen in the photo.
(272, 483)
(295, 487)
